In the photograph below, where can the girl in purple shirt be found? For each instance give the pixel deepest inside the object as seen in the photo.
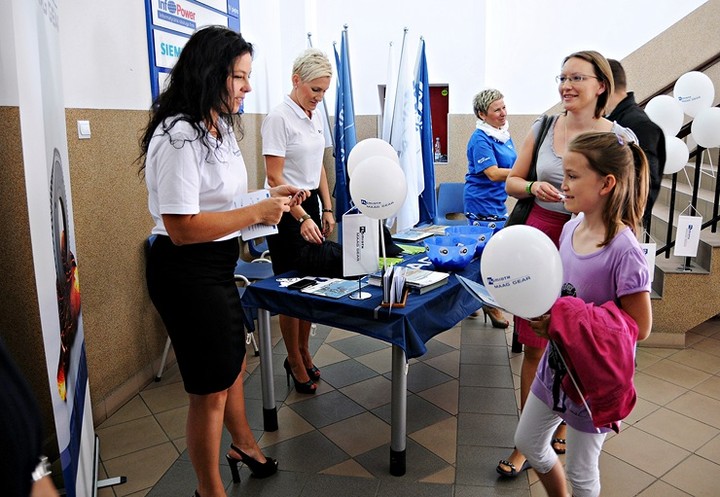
(606, 183)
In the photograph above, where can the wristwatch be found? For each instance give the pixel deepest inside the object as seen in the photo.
(303, 218)
(42, 469)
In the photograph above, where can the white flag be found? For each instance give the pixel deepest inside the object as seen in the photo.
(405, 139)
(389, 102)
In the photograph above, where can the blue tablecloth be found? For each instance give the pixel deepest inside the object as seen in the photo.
(409, 327)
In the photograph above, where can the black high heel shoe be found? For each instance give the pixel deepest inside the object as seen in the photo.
(495, 317)
(307, 387)
(313, 373)
(258, 469)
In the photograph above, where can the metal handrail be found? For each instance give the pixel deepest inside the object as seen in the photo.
(685, 130)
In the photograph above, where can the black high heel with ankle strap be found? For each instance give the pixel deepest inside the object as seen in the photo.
(313, 373)
(307, 387)
(258, 469)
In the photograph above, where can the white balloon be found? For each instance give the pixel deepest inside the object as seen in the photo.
(677, 154)
(367, 148)
(522, 270)
(378, 187)
(666, 112)
(705, 128)
(694, 91)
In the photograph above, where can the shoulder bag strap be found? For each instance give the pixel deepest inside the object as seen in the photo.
(544, 127)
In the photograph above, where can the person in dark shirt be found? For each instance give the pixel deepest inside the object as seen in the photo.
(623, 109)
(24, 471)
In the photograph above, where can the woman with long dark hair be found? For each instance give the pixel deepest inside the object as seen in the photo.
(195, 173)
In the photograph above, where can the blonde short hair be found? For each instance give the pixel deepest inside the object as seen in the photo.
(312, 64)
(482, 100)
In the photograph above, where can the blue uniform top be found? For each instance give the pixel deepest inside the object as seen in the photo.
(484, 197)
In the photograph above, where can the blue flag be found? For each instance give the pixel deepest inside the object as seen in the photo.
(428, 203)
(345, 138)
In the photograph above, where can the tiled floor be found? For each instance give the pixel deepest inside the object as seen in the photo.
(462, 411)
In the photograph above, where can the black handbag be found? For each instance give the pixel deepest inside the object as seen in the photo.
(523, 206)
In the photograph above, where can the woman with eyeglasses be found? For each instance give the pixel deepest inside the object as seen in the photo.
(584, 84)
(490, 153)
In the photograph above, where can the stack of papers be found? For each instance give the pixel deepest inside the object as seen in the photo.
(411, 235)
(334, 288)
(393, 284)
(417, 280)
(424, 280)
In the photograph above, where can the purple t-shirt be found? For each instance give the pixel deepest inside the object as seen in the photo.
(615, 270)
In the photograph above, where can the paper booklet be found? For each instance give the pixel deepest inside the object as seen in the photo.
(334, 288)
(478, 291)
(256, 230)
(411, 235)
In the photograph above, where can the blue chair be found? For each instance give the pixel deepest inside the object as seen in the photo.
(258, 248)
(450, 201)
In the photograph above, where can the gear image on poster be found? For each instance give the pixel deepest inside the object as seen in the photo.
(68, 283)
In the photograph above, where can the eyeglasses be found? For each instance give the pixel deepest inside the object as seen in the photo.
(575, 78)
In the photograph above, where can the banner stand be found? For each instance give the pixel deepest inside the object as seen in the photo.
(98, 484)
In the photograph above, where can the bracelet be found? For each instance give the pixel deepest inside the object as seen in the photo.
(42, 469)
(327, 210)
(304, 218)
(528, 187)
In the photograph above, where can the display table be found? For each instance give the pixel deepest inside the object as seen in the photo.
(407, 329)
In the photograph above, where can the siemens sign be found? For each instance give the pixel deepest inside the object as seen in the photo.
(167, 48)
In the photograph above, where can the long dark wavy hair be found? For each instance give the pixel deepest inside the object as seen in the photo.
(197, 85)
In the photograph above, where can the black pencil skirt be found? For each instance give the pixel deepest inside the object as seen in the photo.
(286, 246)
(193, 288)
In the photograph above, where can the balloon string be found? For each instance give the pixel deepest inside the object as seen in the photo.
(382, 243)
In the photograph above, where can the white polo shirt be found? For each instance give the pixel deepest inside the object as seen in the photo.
(185, 177)
(288, 132)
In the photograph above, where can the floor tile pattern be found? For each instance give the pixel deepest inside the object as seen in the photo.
(462, 413)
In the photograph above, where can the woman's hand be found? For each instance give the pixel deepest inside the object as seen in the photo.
(296, 195)
(310, 232)
(540, 326)
(328, 220)
(546, 192)
(271, 209)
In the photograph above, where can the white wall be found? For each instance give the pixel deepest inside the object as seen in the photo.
(470, 44)
(104, 54)
(8, 66)
(525, 71)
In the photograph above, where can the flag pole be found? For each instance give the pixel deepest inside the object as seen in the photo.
(397, 83)
(327, 116)
(347, 44)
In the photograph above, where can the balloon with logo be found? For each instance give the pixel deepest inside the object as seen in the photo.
(705, 128)
(378, 187)
(676, 154)
(666, 112)
(370, 147)
(521, 269)
(694, 91)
